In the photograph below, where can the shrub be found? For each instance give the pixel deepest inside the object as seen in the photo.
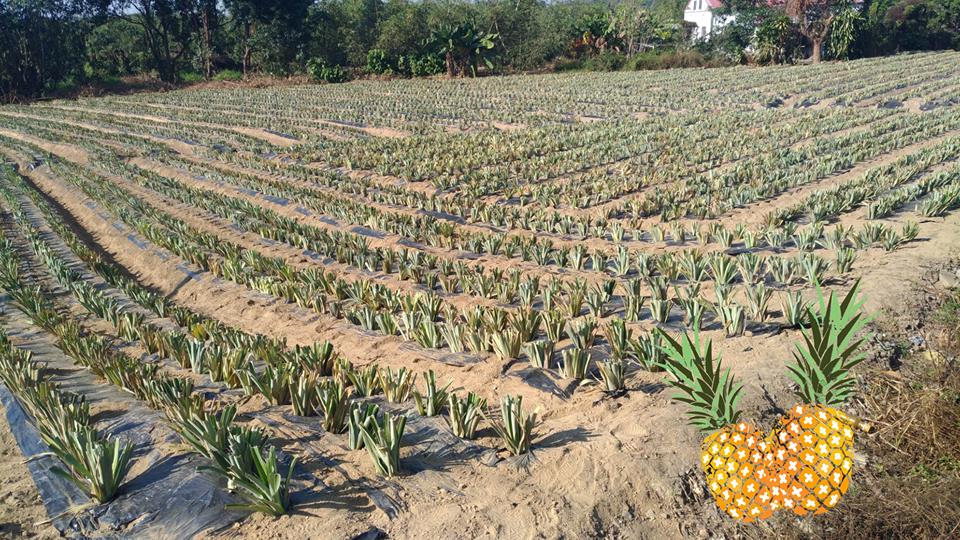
(378, 63)
(190, 77)
(426, 65)
(231, 75)
(606, 61)
(321, 72)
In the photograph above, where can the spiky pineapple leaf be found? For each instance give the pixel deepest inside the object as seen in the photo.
(709, 391)
(831, 348)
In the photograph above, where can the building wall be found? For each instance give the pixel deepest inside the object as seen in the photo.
(699, 13)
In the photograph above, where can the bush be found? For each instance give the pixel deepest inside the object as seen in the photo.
(606, 61)
(190, 77)
(670, 59)
(658, 59)
(320, 71)
(426, 65)
(378, 63)
(231, 75)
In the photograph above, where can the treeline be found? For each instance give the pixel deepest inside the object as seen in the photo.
(51, 46)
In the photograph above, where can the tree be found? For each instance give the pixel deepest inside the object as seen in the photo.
(814, 18)
(41, 45)
(844, 32)
(167, 26)
(116, 48)
(463, 47)
(209, 22)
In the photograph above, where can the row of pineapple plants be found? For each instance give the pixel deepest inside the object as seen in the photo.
(486, 330)
(805, 239)
(470, 106)
(196, 333)
(597, 158)
(250, 466)
(320, 383)
(896, 133)
(240, 454)
(618, 263)
(511, 216)
(830, 203)
(93, 461)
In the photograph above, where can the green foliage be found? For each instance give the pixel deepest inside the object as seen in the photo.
(710, 392)
(322, 72)
(189, 77)
(425, 65)
(230, 75)
(378, 62)
(843, 32)
(464, 48)
(832, 347)
(776, 40)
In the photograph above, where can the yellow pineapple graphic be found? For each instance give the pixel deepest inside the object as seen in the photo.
(804, 465)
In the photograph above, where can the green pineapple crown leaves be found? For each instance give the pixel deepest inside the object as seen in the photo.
(831, 349)
(710, 391)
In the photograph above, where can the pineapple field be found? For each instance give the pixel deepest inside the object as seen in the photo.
(618, 305)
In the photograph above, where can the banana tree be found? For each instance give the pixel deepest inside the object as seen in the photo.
(463, 47)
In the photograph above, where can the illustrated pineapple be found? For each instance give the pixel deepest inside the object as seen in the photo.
(732, 456)
(816, 453)
(804, 465)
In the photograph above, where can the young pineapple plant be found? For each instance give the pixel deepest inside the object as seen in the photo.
(613, 375)
(464, 414)
(432, 399)
(382, 440)
(333, 399)
(540, 353)
(397, 385)
(361, 417)
(574, 363)
(366, 380)
(513, 426)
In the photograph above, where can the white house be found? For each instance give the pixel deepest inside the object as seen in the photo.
(702, 13)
